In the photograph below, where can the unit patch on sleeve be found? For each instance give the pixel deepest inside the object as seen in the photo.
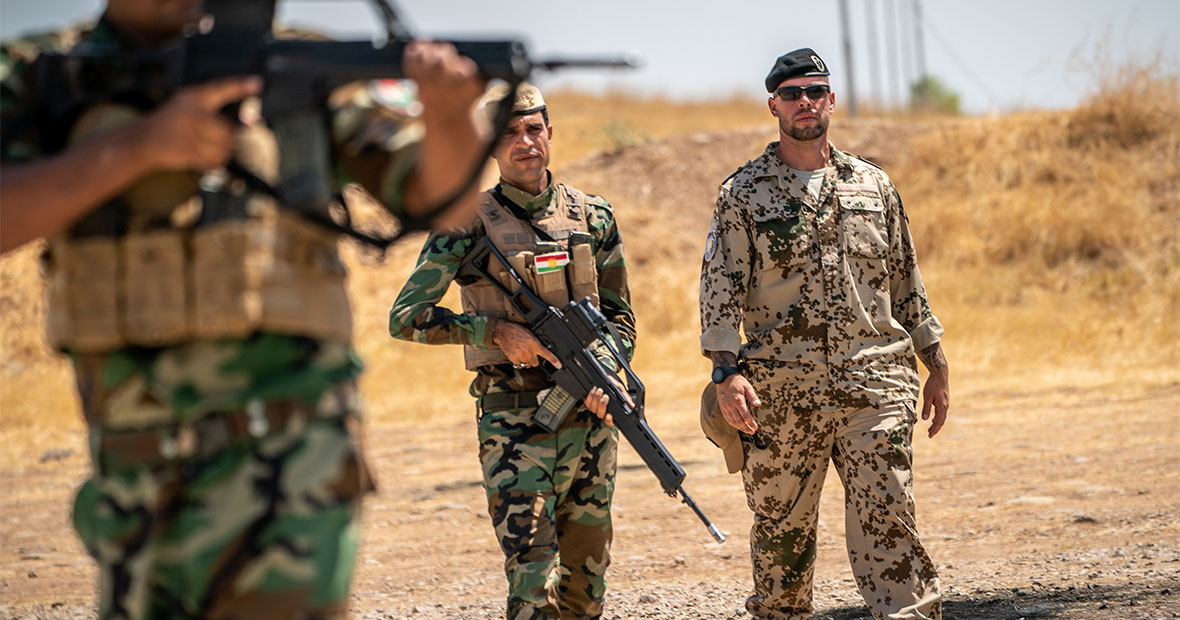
(710, 244)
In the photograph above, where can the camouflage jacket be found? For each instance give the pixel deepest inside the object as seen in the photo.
(417, 317)
(138, 387)
(827, 291)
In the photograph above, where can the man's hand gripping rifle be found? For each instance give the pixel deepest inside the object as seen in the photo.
(573, 334)
(299, 75)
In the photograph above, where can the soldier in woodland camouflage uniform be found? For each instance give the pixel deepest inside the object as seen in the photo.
(213, 361)
(809, 253)
(548, 493)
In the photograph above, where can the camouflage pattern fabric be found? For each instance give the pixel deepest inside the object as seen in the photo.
(548, 494)
(417, 317)
(829, 297)
(828, 284)
(210, 524)
(549, 500)
(258, 526)
(786, 463)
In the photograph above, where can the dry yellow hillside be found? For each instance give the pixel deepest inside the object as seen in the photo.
(1048, 242)
(1049, 245)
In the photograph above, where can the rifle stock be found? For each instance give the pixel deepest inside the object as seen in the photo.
(572, 334)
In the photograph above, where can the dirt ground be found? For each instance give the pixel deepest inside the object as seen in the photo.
(1053, 491)
(1057, 502)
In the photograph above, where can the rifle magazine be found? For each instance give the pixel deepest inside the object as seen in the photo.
(554, 407)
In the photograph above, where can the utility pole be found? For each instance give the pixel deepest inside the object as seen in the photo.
(848, 58)
(891, 50)
(919, 45)
(905, 36)
(874, 52)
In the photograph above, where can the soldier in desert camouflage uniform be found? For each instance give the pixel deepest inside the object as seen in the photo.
(228, 472)
(810, 254)
(548, 494)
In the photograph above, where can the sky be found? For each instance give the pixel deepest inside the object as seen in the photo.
(999, 55)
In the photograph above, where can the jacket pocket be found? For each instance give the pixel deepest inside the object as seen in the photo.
(780, 239)
(862, 215)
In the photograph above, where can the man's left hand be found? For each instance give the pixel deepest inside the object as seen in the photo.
(597, 400)
(936, 394)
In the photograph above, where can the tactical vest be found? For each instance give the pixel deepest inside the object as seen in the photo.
(537, 261)
(154, 280)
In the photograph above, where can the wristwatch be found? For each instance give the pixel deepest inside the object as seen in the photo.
(721, 372)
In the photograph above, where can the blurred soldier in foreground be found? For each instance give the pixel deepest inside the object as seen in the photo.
(810, 254)
(213, 358)
(548, 494)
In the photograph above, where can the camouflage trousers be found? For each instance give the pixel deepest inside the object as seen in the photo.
(786, 462)
(549, 498)
(199, 520)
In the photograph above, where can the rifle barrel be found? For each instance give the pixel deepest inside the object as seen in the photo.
(687, 499)
(626, 61)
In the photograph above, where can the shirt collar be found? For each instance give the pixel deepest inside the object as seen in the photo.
(842, 162)
(531, 203)
(775, 166)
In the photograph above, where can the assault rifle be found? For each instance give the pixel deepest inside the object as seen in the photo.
(572, 334)
(236, 39)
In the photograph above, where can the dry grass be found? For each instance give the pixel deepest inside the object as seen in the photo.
(1055, 236)
(585, 124)
(1049, 244)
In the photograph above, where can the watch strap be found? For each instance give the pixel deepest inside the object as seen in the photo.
(721, 373)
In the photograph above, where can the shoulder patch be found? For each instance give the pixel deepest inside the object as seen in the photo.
(711, 244)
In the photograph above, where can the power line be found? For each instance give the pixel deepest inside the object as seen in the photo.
(874, 52)
(950, 52)
(919, 44)
(905, 38)
(848, 57)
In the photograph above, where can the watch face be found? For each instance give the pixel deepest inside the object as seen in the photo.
(721, 372)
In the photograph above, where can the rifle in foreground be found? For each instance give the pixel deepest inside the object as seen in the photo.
(299, 75)
(573, 334)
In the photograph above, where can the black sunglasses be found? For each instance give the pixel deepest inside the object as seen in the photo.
(815, 92)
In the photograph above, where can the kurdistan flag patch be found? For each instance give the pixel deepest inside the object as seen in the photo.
(553, 261)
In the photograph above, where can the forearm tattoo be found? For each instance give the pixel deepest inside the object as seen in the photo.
(723, 358)
(933, 357)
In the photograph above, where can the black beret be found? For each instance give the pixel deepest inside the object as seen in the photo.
(799, 63)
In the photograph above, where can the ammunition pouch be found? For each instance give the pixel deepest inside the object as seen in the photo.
(277, 273)
(135, 272)
(520, 244)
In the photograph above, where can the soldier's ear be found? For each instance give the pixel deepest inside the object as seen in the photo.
(773, 108)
